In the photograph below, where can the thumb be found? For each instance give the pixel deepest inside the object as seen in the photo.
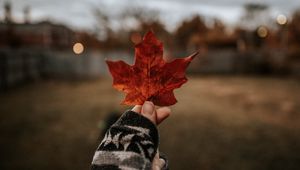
(157, 163)
(148, 110)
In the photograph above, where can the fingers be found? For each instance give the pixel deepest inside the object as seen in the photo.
(161, 163)
(162, 114)
(157, 163)
(137, 108)
(148, 110)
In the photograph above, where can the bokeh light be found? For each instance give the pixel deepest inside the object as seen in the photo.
(281, 19)
(136, 38)
(78, 48)
(262, 32)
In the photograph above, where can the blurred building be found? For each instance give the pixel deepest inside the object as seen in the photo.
(45, 49)
(36, 35)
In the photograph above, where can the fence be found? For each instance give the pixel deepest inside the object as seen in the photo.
(18, 66)
(22, 65)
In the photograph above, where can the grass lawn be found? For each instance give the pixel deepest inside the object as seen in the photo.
(219, 123)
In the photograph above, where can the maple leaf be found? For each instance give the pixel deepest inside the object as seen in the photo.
(150, 78)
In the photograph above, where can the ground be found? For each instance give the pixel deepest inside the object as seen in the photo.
(219, 123)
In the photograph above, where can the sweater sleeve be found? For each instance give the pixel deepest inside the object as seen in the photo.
(130, 143)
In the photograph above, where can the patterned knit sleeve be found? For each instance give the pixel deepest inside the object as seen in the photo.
(130, 143)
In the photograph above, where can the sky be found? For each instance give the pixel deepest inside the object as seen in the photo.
(78, 13)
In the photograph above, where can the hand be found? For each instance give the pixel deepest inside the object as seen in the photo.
(154, 115)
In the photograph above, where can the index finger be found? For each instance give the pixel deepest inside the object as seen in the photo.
(137, 108)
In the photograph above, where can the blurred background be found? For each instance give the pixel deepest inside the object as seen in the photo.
(56, 96)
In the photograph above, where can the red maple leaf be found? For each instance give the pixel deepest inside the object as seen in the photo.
(150, 78)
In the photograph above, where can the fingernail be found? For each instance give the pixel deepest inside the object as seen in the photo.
(162, 162)
(148, 108)
(157, 167)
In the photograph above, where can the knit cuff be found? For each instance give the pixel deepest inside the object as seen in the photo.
(139, 124)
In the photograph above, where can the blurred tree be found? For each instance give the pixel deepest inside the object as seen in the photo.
(294, 28)
(255, 14)
(253, 23)
(138, 15)
(138, 20)
(7, 14)
(130, 21)
(252, 9)
(188, 29)
(219, 26)
(159, 28)
(294, 38)
(26, 13)
(217, 36)
(103, 30)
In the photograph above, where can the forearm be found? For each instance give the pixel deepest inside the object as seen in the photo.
(130, 143)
